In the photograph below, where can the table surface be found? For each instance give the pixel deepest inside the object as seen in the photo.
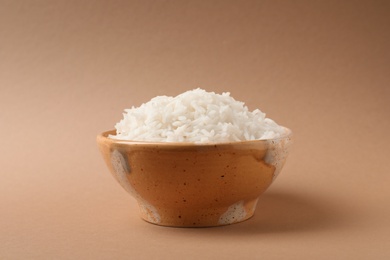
(69, 68)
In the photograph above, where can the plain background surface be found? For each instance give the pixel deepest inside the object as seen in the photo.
(69, 68)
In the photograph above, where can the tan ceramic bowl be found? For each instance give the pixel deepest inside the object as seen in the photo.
(195, 185)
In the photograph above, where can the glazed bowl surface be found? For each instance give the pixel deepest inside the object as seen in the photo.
(195, 185)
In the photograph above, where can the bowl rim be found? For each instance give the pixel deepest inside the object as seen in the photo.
(104, 136)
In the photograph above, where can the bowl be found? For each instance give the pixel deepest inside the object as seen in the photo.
(195, 185)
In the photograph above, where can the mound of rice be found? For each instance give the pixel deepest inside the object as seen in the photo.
(195, 116)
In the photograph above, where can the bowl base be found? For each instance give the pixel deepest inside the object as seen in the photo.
(199, 217)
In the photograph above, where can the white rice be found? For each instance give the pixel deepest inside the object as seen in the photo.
(195, 116)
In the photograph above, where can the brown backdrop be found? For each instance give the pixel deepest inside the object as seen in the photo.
(69, 68)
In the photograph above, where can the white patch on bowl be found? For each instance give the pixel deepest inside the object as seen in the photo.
(149, 211)
(235, 213)
(277, 152)
(254, 205)
(122, 168)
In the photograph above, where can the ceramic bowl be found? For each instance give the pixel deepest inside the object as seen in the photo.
(195, 185)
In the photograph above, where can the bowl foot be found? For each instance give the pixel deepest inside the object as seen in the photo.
(199, 217)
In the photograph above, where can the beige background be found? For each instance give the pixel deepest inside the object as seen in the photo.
(69, 68)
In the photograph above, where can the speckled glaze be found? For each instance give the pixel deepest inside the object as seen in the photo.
(195, 185)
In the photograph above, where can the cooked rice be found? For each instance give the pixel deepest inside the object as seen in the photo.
(195, 116)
